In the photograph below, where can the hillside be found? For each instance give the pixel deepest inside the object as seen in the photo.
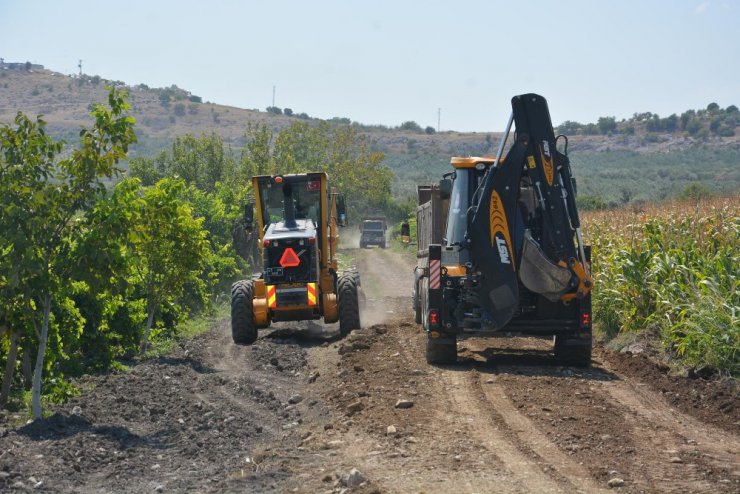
(639, 159)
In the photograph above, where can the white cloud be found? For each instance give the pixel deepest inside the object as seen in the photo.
(702, 7)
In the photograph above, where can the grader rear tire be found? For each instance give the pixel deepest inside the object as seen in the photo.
(243, 330)
(349, 303)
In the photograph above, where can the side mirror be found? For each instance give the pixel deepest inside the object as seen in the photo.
(445, 188)
(249, 216)
(341, 210)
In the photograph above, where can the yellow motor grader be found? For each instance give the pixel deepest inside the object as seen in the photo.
(297, 224)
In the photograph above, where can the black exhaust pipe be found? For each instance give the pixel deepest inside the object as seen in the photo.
(288, 206)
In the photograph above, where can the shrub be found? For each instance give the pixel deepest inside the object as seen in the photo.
(164, 99)
(410, 125)
(695, 191)
(607, 124)
(590, 203)
(693, 126)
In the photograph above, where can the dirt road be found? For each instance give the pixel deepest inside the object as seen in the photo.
(301, 408)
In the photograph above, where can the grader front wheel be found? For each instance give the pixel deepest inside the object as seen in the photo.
(243, 329)
(349, 303)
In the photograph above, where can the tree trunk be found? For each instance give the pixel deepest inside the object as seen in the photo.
(145, 339)
(9, 368)
(26, 368)
(37, 373)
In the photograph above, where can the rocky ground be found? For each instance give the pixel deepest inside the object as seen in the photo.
(302, 410)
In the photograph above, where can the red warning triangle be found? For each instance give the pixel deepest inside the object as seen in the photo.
(289, 258)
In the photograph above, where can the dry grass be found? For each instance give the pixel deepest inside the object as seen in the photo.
(628, 222)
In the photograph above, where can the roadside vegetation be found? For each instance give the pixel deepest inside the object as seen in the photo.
(98, 266)
(669, 273)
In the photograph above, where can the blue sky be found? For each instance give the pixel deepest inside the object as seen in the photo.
(385, 62)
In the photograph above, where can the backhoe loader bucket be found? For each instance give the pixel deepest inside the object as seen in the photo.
(541, 275)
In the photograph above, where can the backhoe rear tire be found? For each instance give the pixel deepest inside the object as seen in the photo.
(572, 351)
(349, 303)
(243, 329)
(442, 350)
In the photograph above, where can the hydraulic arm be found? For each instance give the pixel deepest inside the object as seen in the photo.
(538, 245)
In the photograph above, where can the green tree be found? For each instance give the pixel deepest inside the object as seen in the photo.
(108, 298)
(164, 99)
(569, 127)
(430, 130)
(607, 124)
(591, 129)
(590, 203)
(410, 125)
(201, 161)
(256, 156)
(685, 117)
(715, 123)
(340, 150)
(639, 117)
(44, 197)
(695, 191)
(167, 246)
(145, 170)
(694, 126)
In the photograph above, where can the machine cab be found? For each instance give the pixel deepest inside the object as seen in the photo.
(466, 179)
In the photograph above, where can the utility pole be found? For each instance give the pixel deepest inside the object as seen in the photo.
(439, 118)
(273, 96)
(80, 66)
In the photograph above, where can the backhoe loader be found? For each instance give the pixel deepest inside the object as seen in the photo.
(500, 250)
(297, 224)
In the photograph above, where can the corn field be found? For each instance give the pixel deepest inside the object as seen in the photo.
(671, 270)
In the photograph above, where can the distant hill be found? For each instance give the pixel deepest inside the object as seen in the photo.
(645, 157)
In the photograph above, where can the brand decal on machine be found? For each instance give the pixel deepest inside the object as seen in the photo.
(503, 250)
(499, 228)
